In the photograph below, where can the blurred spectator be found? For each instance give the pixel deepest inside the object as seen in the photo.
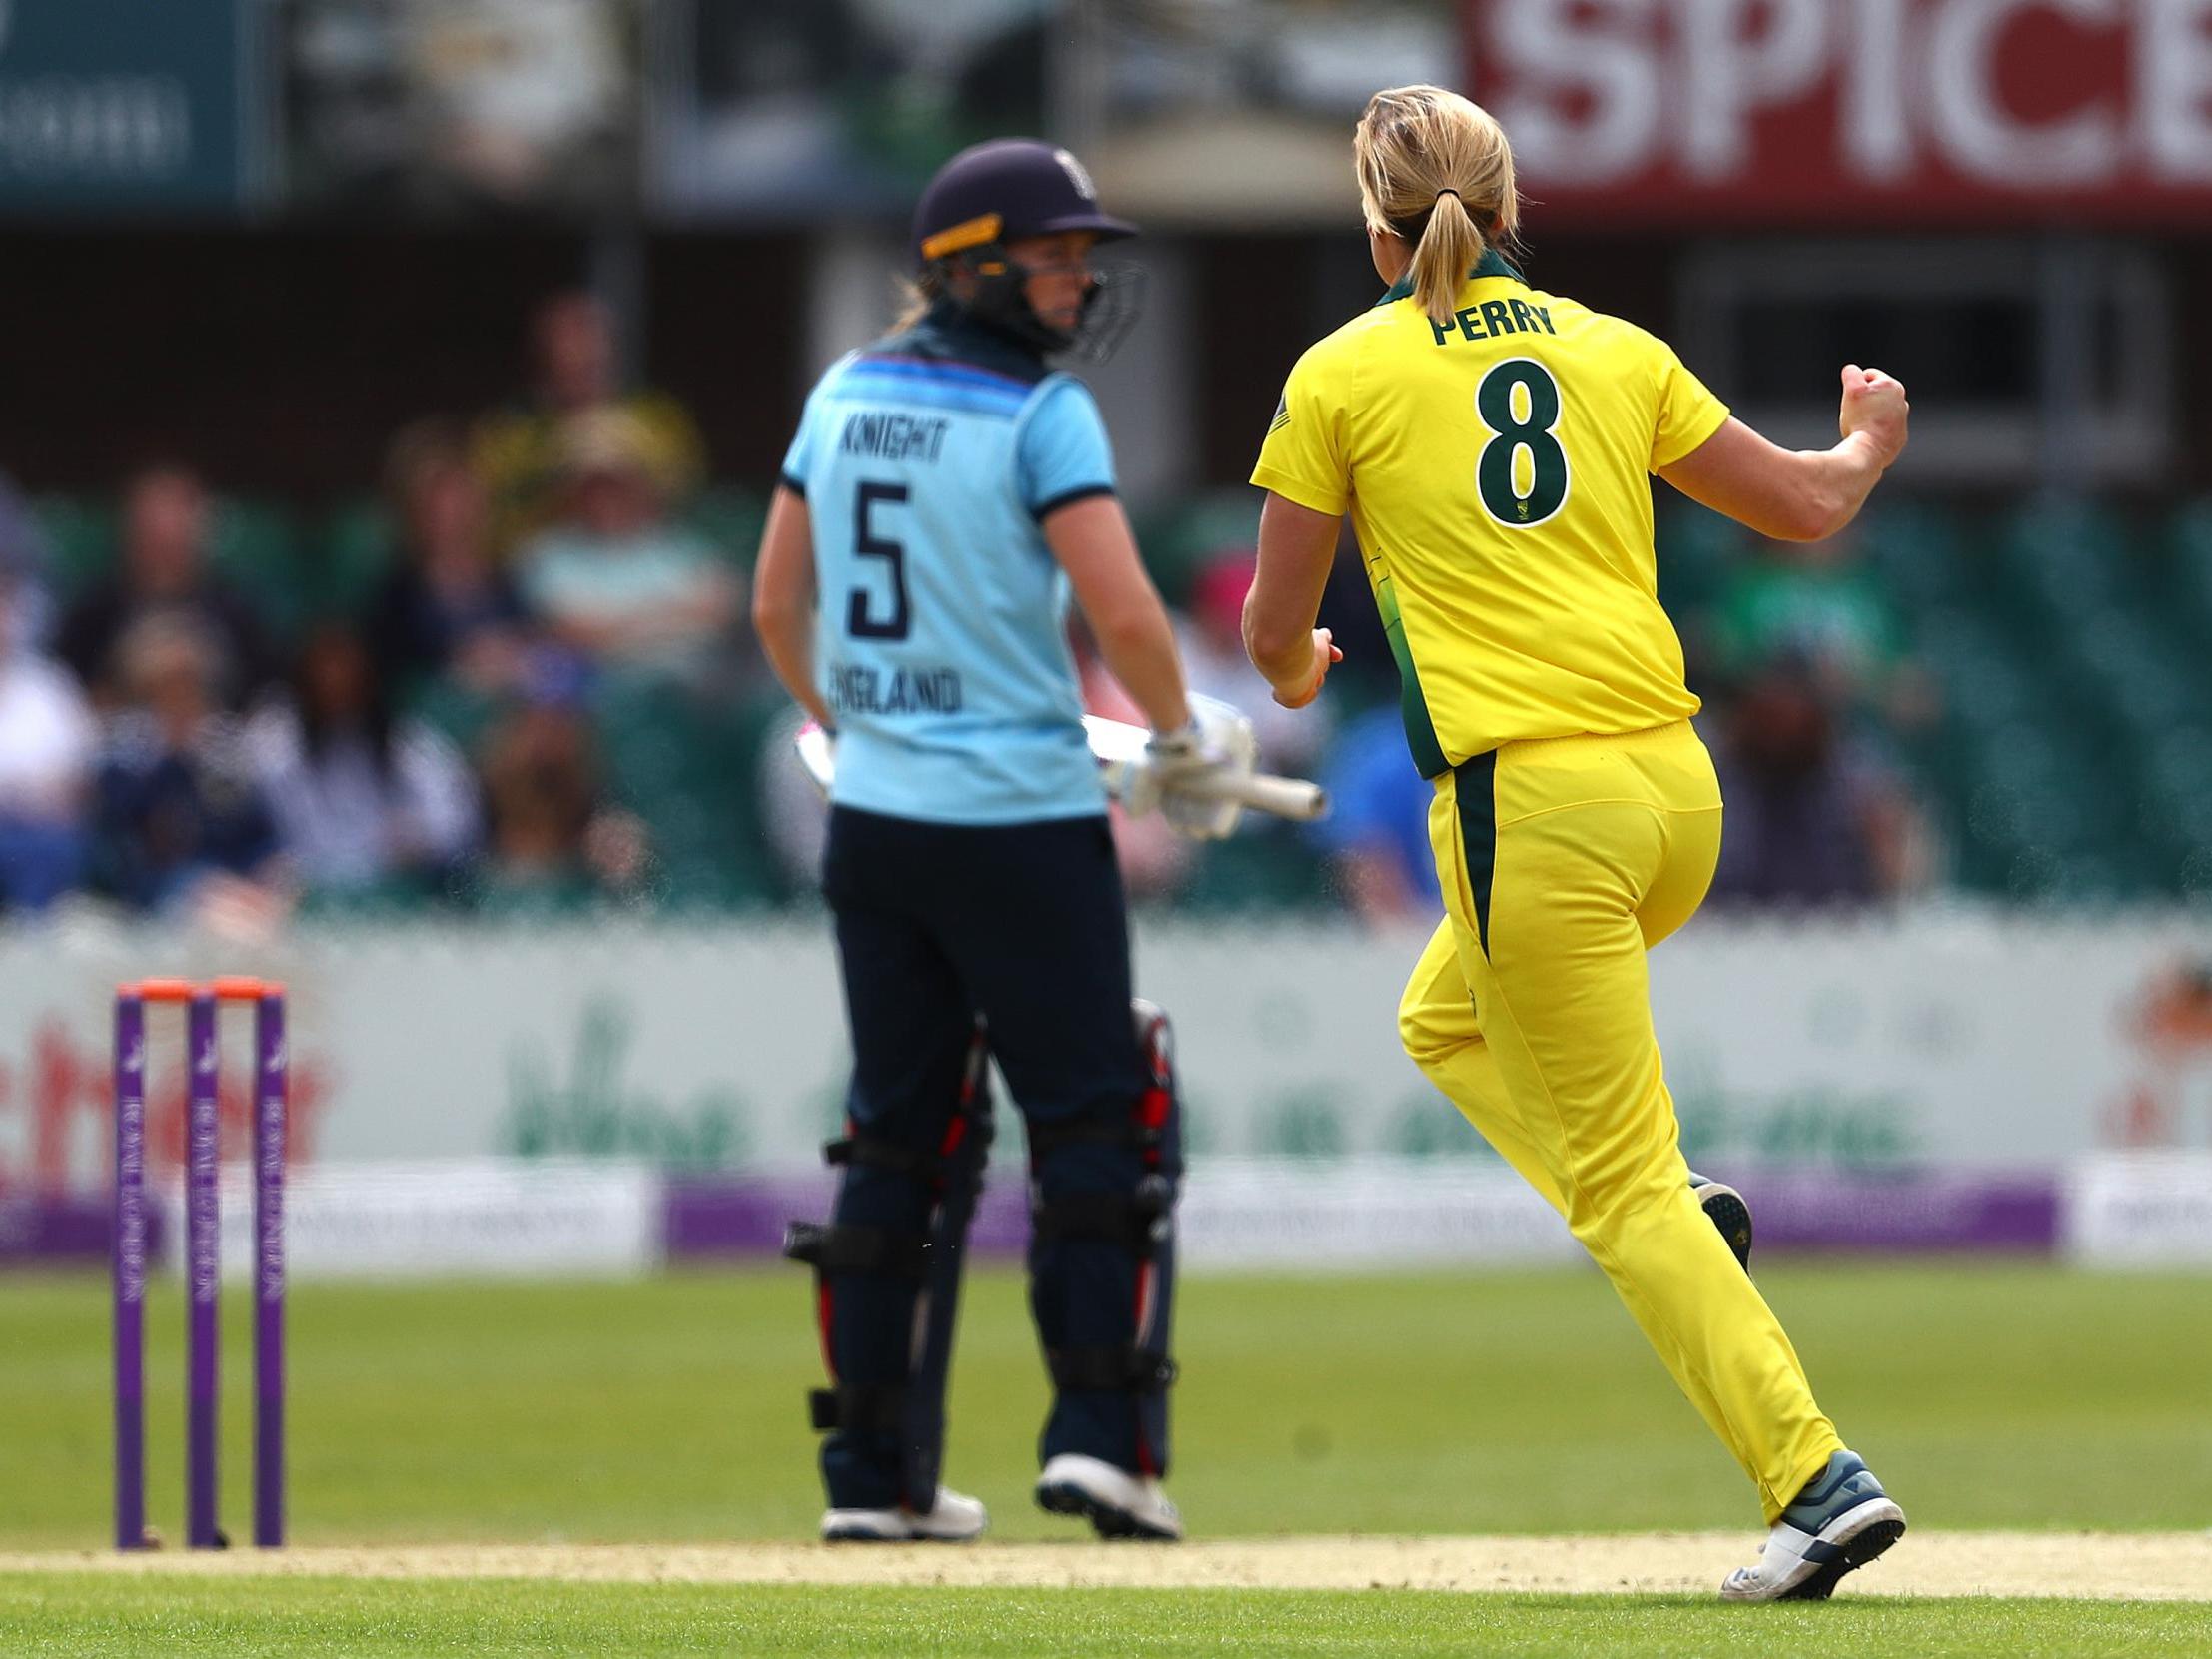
(554, 845)
(519, 451)
(446, 608)
(1815, 603)
(1212, 643)
(1812, 817)
(1377, 831)
(164, 572)
(613, 578)
(179, 822)
(26, 562)
(364, 802)
(47, 743)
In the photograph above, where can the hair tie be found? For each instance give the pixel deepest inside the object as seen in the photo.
(1449, 190)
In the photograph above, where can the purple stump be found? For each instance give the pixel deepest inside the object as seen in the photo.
(270, 1070)
(202, 1274)
(128, 1270)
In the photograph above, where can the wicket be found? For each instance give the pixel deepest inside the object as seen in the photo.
(202, 1266)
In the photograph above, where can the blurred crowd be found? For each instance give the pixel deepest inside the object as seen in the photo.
(167, 746)
(489, 722)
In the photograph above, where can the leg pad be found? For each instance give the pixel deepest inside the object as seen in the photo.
(1140, 1221)
(1110, 1370)
(861, 1410)
(845, 1249)
(869, 1152)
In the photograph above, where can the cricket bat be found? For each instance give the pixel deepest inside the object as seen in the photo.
(1119, 747)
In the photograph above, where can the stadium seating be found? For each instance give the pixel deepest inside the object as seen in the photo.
(2072, 760)
(1178, 537)
(2073, 765)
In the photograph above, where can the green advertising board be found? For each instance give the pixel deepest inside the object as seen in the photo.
(128, 107)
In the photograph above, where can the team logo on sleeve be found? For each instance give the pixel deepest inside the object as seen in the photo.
(1282, 415)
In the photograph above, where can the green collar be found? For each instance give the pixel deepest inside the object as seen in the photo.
(1491, 264)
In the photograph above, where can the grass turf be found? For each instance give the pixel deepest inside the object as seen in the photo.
(1988, 1397)
(244, 1618)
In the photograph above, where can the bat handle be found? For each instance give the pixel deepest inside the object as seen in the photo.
(1296, 798)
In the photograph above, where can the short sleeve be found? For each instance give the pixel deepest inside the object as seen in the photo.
(801, 456)
(1303, 457)
(1064, 454)
(1688, 412)
(798, 460)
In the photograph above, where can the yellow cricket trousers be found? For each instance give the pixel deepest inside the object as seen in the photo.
(1563, 862)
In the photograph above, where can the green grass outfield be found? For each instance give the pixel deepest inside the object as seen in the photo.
(281, 1619)
(1988, 1397)
(672, 1410)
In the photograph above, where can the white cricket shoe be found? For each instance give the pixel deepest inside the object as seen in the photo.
(953, 1520)
(1118, 1503)
(1841, 1520)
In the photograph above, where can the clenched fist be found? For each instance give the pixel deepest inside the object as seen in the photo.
(1875, 403)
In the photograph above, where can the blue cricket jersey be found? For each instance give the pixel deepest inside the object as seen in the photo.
(928, 462)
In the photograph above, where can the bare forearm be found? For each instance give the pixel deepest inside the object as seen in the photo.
(1297, 547)
(789, 642)
(1804, 495)
(1140, 650)
(1091, 540)
(783, 600)
(1841, 479)
(1789, 495)
(1283, 654)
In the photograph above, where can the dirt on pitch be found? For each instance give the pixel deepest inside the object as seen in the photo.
(2162, 1566)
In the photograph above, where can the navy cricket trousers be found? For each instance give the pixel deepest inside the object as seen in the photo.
(1025, 924)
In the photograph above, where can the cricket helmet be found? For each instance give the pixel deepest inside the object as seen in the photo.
(1001, 191)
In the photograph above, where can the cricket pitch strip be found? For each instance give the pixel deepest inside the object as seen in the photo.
(2172, 1566)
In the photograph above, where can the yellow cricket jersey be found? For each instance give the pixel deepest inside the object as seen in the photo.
(1495, 470)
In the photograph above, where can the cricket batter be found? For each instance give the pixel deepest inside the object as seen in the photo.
(1491, 441)
(946, 494)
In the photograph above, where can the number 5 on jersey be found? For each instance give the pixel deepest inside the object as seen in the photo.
(1518, 403)
(861, 623)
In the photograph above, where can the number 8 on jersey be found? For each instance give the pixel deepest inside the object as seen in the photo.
(1518, 403)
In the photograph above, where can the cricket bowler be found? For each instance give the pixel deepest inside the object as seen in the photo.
(1492, 443)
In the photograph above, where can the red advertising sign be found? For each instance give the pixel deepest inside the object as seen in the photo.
(1845, 113)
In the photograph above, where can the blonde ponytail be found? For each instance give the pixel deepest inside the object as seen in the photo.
(1450, 246)
(915, 295)
(1436, 171)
